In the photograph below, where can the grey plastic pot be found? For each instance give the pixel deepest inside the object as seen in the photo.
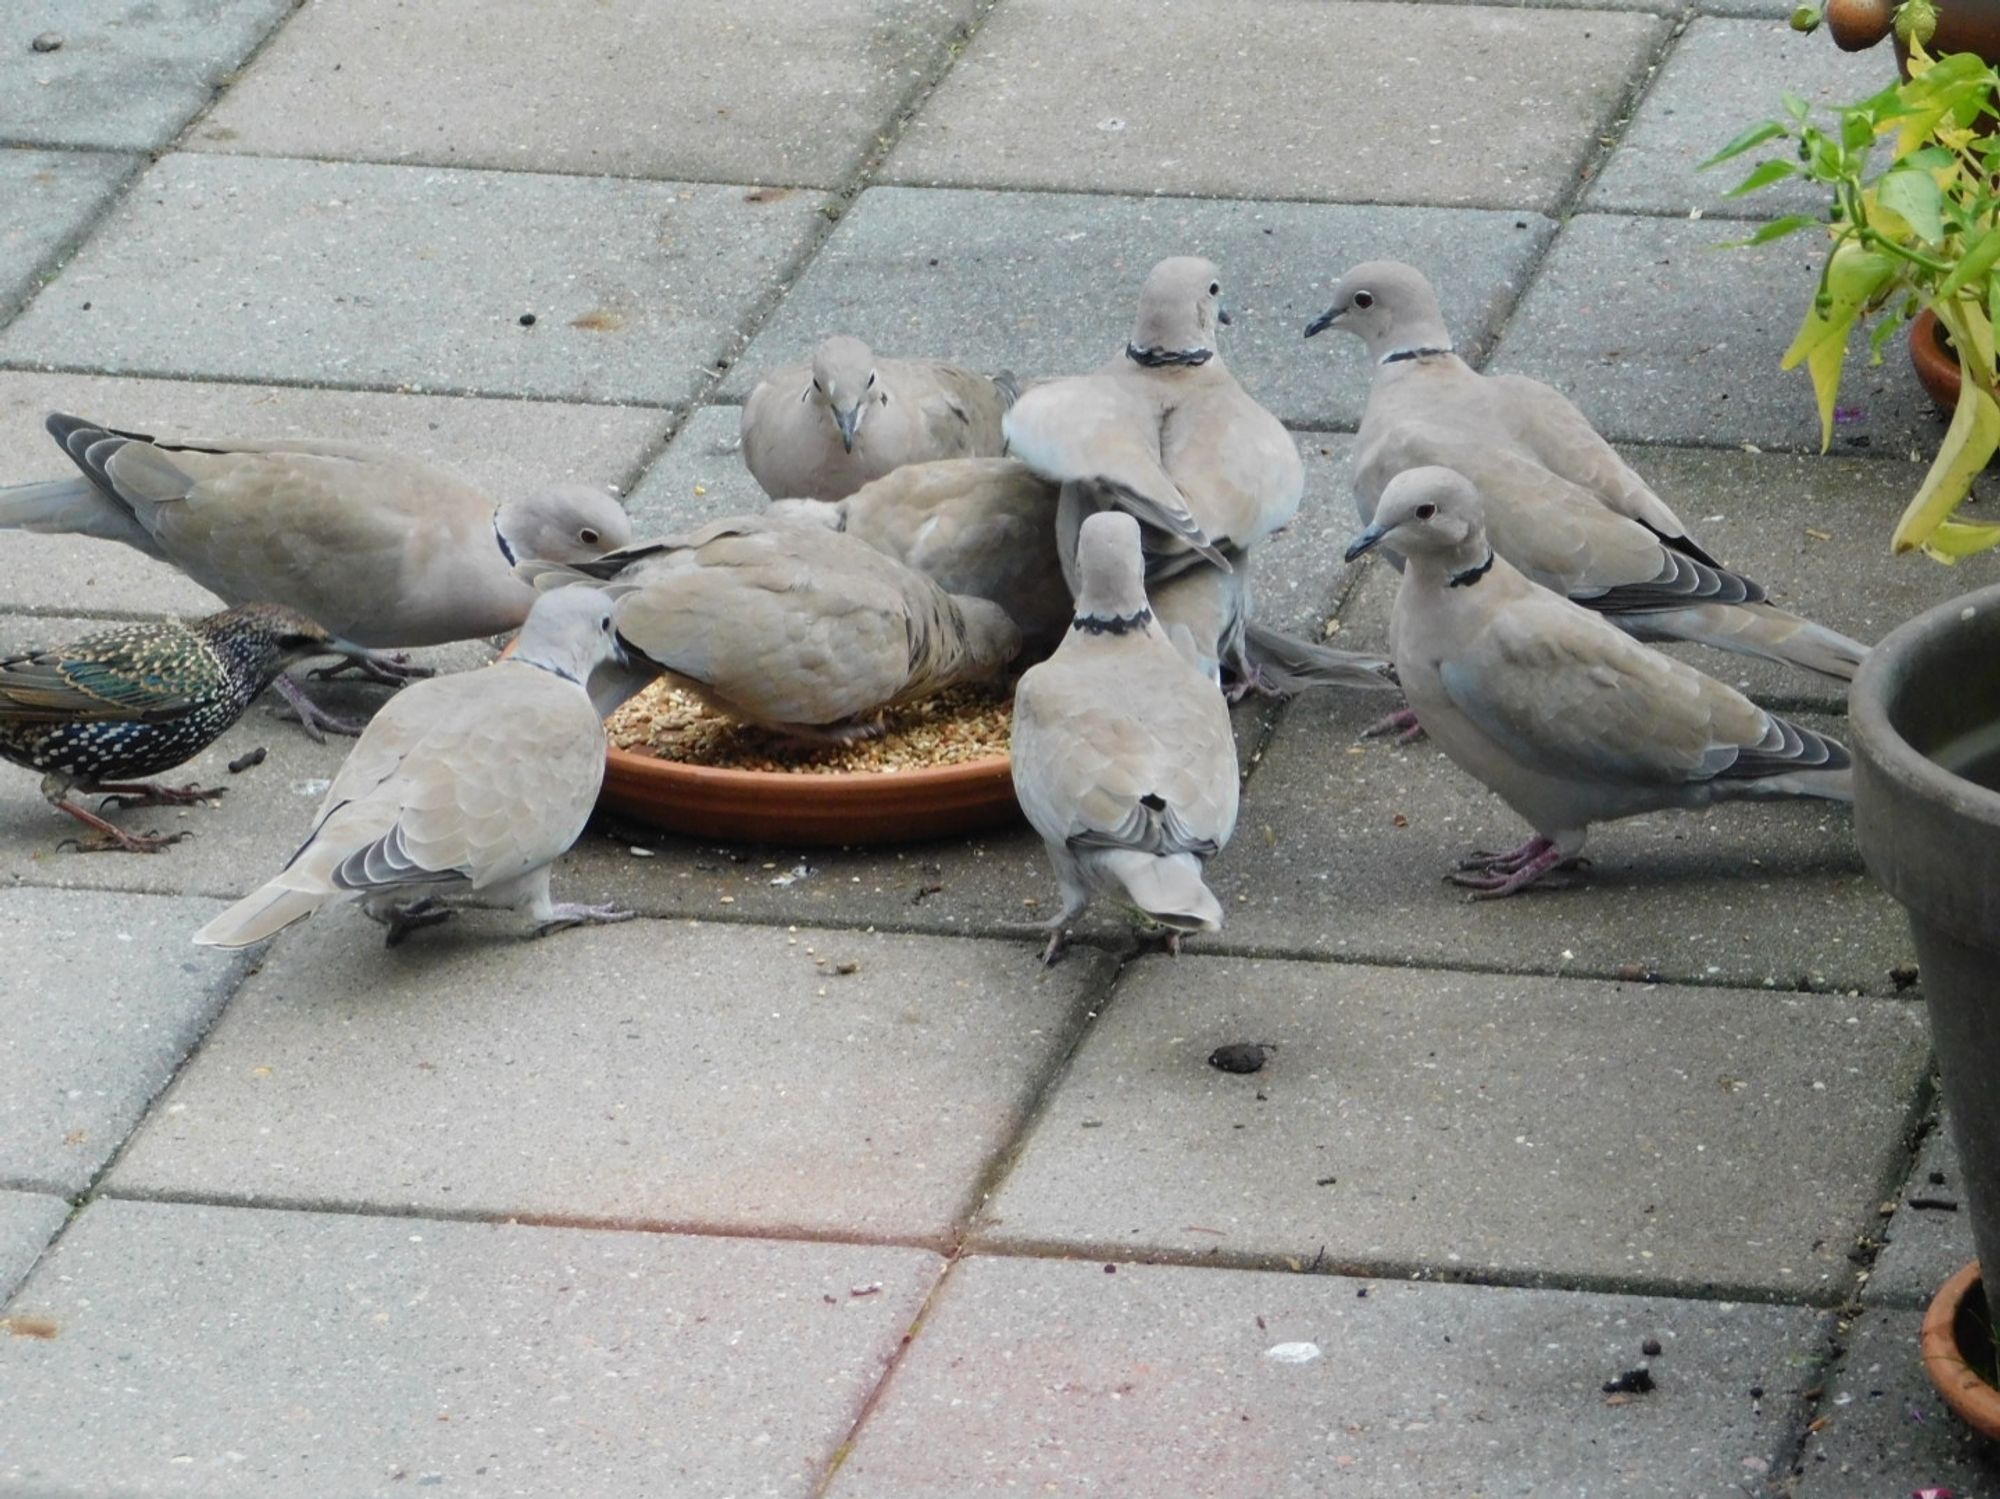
(1932, 839)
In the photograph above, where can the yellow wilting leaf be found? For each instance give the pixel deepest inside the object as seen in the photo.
(1968, 444)
(1956, 538)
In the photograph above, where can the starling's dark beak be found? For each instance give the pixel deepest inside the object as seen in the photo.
(1368, 540)
(1323, 322)
(1222, 316)
(848, 421)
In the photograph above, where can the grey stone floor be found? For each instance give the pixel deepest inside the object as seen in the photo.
(692, 1206)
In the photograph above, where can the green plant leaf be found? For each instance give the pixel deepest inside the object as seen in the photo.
(1969, 442)
(1915, 196)
(1956, 539)
(1763, 175)
(1976, 262)
(1755, 136)
(1791, 223)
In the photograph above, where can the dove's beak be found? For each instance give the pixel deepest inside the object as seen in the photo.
(1368, 540)
(1323, 322)
(1222, 316)
(849, 422)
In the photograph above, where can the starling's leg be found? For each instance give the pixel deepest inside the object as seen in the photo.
(315, 720)
(151, 794)
(392, 668)
(109, 837)
(1402, 723)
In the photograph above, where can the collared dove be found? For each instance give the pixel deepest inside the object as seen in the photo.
(1561, 505)
(1165, 433)
(985, 527)
(1122, 751)
(463, 790)
(380, 550)
(821, 429)
(1562, 714)
(103, 713)
(809, 632)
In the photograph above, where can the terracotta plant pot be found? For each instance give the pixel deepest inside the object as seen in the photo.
(1962, 26)
(1934, 360)
(761, 806)
(1925, 714)
(1957, 1344)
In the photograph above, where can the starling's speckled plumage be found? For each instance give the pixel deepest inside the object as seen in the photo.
(105, 712)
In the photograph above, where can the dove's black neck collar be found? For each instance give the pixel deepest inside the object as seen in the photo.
(1112, 624)
(501, 537)
(1157, 357)
(551, 668)
(1397, 356)
(1472, 574)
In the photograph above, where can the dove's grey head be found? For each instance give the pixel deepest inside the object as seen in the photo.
(1428, 513)
(1179, 307)
(991, 637)
(564, 523)
(569, 631)
(1111, 572)
(845, 382)
(1390, 307)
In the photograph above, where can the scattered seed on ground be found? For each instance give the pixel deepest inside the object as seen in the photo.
(1651, 1348)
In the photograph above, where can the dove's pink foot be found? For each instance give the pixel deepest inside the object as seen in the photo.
(1402, 723)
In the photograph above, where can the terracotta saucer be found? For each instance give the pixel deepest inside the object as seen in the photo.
(1945, 1327)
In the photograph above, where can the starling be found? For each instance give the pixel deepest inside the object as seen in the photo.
(102, 713)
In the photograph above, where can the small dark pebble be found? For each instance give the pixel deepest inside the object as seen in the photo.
(1362, 1294)
(1756, 1392)
(1238, 1056)
(1326, 1181)
(244, 761)
(48, 41)
(527, 320)
(1935, 1204)
(1651, 1348)
(1110, 1269)
(1903, 976)
(1632, 1382)
(1937, 1178)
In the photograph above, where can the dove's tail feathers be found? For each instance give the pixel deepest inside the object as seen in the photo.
(1166, 888)
(1790, 760)
(1288, 664)
(70, 507)
(260, 914)
(1755, 630)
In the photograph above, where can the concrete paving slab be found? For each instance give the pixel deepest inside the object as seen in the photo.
(1045, 283)
(1260, 99)
(91, 1045)
(1343, 846)
(1046, 1376)
(1887, 1431)
(711, 1076)
(1926, 1245)
(1625, 1136)
(1722, 77)
(341, 273)
(765, 92)
(48, 202)
(205, 1350)
(699, 478)
(1661, 336)
(129, 73)
(28, 1220)
(507, 447)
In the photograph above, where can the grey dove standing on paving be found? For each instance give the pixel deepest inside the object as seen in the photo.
(820, 430)
(463, 790)
(1562, 714)
(805, 631)
(101, 714)
(380, 550)
(1123, 757)
(1165, 433)
(985, 527)
(1561, 505)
